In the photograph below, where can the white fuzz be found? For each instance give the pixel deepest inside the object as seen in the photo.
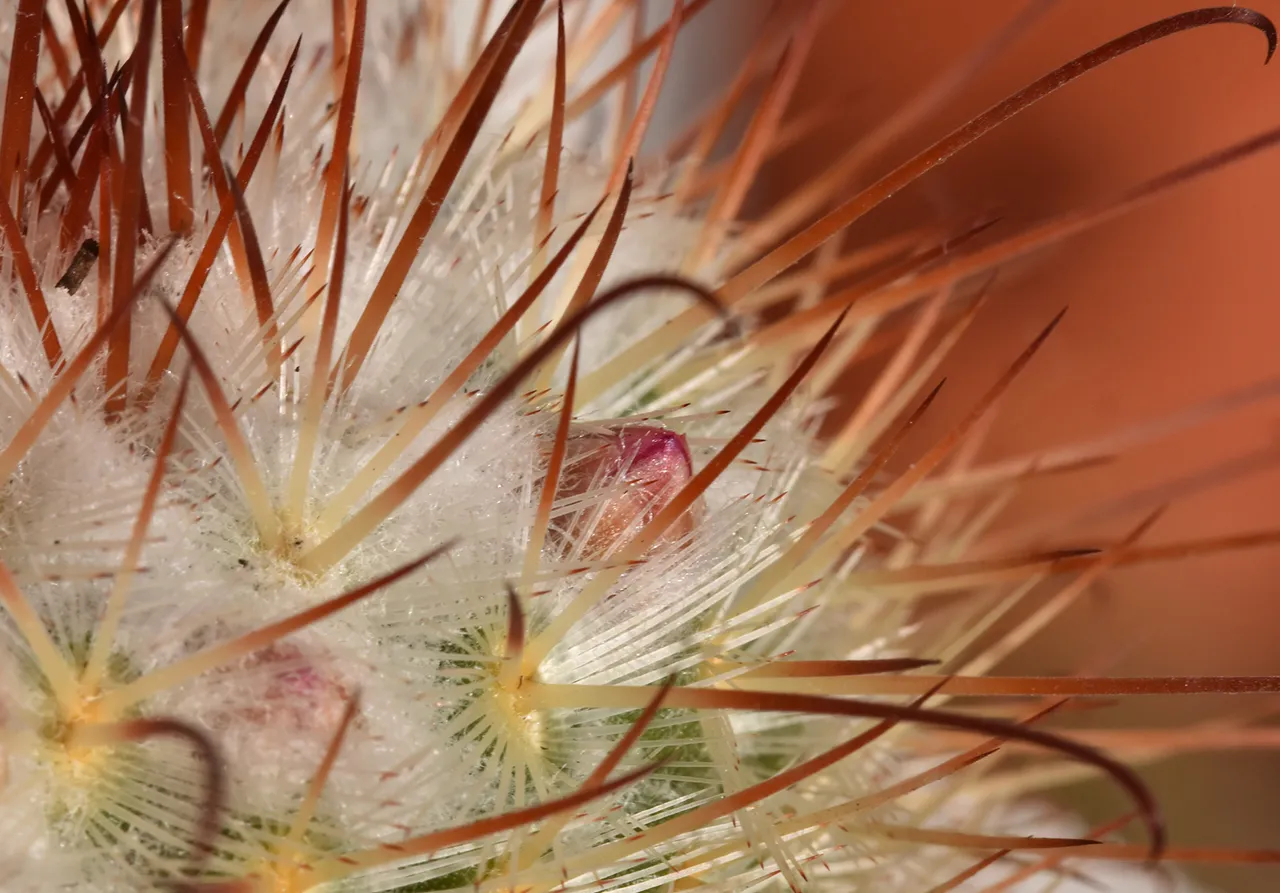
(181, 535)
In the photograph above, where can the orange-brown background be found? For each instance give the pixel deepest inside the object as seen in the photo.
(1172, 304)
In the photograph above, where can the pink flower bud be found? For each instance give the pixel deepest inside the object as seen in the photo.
(638, 470)
(286, 690)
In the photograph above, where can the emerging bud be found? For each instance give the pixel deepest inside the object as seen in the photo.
(288, 691)
(625, 476)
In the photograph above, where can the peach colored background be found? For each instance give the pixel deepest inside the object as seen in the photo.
(1172, 304)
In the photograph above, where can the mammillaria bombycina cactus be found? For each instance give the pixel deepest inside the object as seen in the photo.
(439, 501)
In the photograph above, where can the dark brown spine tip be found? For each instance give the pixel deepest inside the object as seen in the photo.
(1237, 15)
(215, 783)
(1257, 20)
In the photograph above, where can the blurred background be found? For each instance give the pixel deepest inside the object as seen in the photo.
(1170, 305)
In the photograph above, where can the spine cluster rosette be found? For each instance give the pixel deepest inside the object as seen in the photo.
(411, 485)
